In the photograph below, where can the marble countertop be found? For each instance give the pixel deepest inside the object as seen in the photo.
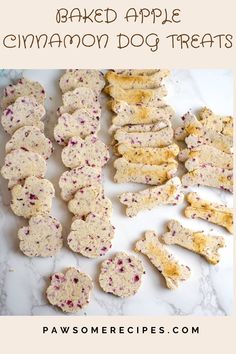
(208, 292)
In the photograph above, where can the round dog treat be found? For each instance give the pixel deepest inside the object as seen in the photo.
(90, 200)
(20, 164)
(23, 87)
(77, 178)
(70, 291)
(42, 238)
(81, 123)
(73, 79)
(82, 97)
(30, 139)
(34, 197)
(91, 237)
(25, 111)
(121, 275)
(91, 152)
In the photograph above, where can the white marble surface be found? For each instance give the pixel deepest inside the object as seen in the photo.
(208, 292)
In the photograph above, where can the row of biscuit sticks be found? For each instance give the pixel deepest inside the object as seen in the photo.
(143, 140)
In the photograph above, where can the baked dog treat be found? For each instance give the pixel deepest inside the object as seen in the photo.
(91, 237)
(121, 275)
(80, 123)
(136, 81)
(207, 154)
(198, 242)
(30, 138)
(146, 128)
(42, 238)
(23, 88)
(140, 173)
(212, 212)
(222, 124)
(138, 114)
(172, 271)
(88, 152)
(191, 126)
(137, 72)
(160, 138)
(70, 291)
(34, 197)
(90, 200)
(212, 138)
(148, 155)
(72, 180)
(24, 111)
(20, 164)
(209, 176)
(134, 96)
(169, 193)
(74, 78)
(81, 97)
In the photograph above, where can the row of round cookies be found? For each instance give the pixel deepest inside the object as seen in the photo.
(121, 274)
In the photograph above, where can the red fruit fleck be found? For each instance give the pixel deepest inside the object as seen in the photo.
(136, 278)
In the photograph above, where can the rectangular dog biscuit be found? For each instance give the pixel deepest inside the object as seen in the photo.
(136, 81)
(172, 270)
(159, 138)
(198, 242)
(209, 176)
(212, 212)
(139, 173)
(134, 96)
(169, 193)
(148, 155)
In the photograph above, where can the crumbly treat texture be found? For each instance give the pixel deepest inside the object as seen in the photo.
(209, 176)
(91, 237)
(42, 237)
(80, 123)
(127, 81)
(74, 78)
(79, 177)
(30, 138)
(121, 275)
(198, 242)
(25, 111)
(212, 212)
(70, 291)
(172, 270)
(90, 151)
(140, 173)
(23, 88)
(148, 155)
(137, 96)
(81, 97)
(34, 197)
(168, 193)
(20, 164)
(90, 200)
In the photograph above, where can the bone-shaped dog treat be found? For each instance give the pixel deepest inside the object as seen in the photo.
(169, 193)
(136, 81)
(139, 173)
(138, 114)
(134, 96)
(212, 212)
(160, 138)
(207, 154)
(148, 155)
(137, 72)
(74, 78)
(210, 137)
(198, 242)
(191, 126)
(146, 128)
(210, 176)
(172, 271)
(222, 124)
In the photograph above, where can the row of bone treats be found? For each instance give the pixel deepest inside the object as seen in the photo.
(143, 138)
(25, 166)
(209, 153)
